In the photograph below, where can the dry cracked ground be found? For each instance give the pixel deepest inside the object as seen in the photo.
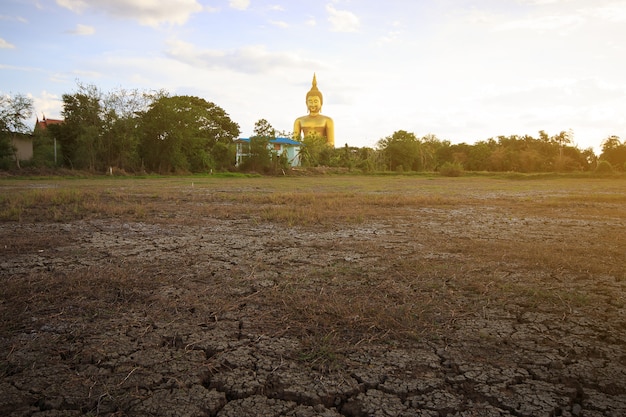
(236, 297)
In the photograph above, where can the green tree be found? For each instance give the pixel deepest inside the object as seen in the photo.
(590, 159)
(121, 111)
(369, 160)
(428, 152)
(614, 152)
(315, 151)
(348, 156)
(261, 156)
(180, 132)
(478, 156)
(401, 150)
(14, 111)
(223, 156)
(43, 148)
(80, 135)
(101, 129)
(563, 162)
(263, 128)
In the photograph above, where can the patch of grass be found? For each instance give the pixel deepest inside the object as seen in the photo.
(322, 352)
(431, 269)
(86, 292)
(55, 204)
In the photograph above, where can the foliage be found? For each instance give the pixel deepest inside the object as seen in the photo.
(367, 159)
(315, 151)
(614, 152)
(80, 136)
(403, 151)
(263, 128)
(43, 148)
(528, 154)
(133, 131)
(261, 158)
(6, 151)
(451, 169)
(100, 129)
(122, 116)
(223, 156)
(400, 150)
(180, 132)
(14, 111)
(604, 167)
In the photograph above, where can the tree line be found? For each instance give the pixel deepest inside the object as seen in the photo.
(135, 131)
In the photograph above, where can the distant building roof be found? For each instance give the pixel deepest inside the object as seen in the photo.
(43, 124)
(284, 141)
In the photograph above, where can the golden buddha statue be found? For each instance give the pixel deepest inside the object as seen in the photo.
(314, 123)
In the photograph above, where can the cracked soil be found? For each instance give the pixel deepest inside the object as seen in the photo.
(227, 297)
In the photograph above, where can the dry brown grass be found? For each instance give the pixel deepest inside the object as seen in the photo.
(477, 244)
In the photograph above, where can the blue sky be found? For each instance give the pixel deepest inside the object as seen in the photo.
(462, 70)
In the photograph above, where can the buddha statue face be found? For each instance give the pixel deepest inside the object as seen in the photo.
(314, 103)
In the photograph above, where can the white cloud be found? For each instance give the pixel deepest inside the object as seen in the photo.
(17, 68)
(543, 23)
(83, 30)
(47, 104)
(247, 59)
(342, 20)
(6, 45)
(239, 4)
(146, 12)
(545, 2)
(77, 6)
(16, 18)
(613, 12)
(556, 92)
(87, 74)
(391, 36)
(280, 24)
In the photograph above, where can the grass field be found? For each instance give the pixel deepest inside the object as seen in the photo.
(337, 263)
(562, 226)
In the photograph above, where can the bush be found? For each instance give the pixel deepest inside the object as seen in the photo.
(604, 167)
(451, 169)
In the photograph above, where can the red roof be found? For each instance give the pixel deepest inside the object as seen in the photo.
(43, 124)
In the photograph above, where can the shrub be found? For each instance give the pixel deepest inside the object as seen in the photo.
(604, 167)
(451, 169)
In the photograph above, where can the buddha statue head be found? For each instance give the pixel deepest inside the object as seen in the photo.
(314, 98)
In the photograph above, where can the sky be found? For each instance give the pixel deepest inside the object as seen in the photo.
(462, 70)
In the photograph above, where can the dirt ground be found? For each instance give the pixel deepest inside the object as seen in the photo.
(466, 297)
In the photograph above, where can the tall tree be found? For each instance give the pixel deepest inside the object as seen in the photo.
(121, 110)
(401, 150)
(14, 111)
(259, 157)
(614, 151)
(180, 132)
(80, 136)
(263, 128)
